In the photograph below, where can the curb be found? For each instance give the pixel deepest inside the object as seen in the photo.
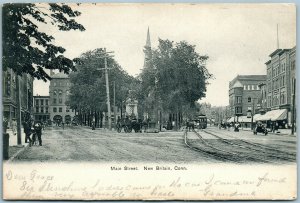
(17, 153)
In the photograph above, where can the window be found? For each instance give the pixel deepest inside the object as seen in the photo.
(257, 87)
(46, 109)
(68, 92)
(60, 109)
(252, 87)
(42, 102)
(46, 102)
(238, 110)
(238, 100)
(55, 93)
(37, 109)
(36, 102)
(282, 97)
(293, 65)
(60, 100)
(284, 66)
(42, 110)
(54, 109)
(283, 80)
(249, 99)
(67, 109)
(59, 92)
(248, 87)
(245, 87)
(279, 68)
(54, 101)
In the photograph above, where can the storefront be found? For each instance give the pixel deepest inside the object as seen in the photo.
(276, 118)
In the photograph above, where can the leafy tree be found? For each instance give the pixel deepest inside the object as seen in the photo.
(177, 77)
(27, 49)
(88, 91)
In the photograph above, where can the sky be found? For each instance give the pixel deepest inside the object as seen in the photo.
(238, 38)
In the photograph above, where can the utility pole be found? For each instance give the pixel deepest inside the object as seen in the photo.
(105, 56)
(115, 110)
(107, 92)
(18, 101)
(293, 102)
(252, 114)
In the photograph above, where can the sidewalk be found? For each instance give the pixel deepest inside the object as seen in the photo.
(14, 149)
(13, 139)
(281, 131)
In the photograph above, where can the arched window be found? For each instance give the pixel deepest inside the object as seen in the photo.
(59, 92)
(249, 99)
(55, 93)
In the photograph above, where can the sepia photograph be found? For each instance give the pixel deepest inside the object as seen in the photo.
(149, 101)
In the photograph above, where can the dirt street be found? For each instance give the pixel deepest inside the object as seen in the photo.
(83, 144)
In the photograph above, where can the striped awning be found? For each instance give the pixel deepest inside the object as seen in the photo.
(230, 120)
(274, 115)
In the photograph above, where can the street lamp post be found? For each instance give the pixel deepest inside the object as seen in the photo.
(252, 113)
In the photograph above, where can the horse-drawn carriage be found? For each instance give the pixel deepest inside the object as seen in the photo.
(130, 124)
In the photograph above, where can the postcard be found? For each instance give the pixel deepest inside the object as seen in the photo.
(149, 101)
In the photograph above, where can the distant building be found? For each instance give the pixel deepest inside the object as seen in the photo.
(244, 94)
(58, 93)
(41, 108)
(9, 94)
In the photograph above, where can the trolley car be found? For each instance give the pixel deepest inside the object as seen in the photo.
(201, 121)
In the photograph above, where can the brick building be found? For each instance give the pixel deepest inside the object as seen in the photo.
(244, 95)
(9, 94)
(41, 108)
(281, 75)
(58, 95)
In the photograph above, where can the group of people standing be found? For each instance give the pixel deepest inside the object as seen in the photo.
(32, 131)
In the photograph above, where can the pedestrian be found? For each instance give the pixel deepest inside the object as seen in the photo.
(27, 131)
(14, 126)
(37, 132)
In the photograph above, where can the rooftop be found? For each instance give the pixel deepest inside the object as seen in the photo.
(251, 77)
(275, 52)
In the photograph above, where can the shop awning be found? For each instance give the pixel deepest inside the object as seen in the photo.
(244, 119)
(256, 117)
(274, 115)
(230, 120)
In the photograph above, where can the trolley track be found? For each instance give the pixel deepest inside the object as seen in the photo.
(253, 147)
(220, 154)
(205, 150)
(248, 151)
(261, 147)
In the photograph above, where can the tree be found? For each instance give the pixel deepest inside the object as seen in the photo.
(177, 77)
(27, 49)
(88, 92)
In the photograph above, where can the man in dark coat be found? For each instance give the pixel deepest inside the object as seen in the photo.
(38, 131)
(27, 131)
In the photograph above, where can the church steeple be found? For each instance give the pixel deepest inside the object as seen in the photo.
(148, 42)
(147, 50)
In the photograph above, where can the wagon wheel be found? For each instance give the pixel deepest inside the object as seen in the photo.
(129, 129)
(119, 128)
(125, 129)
